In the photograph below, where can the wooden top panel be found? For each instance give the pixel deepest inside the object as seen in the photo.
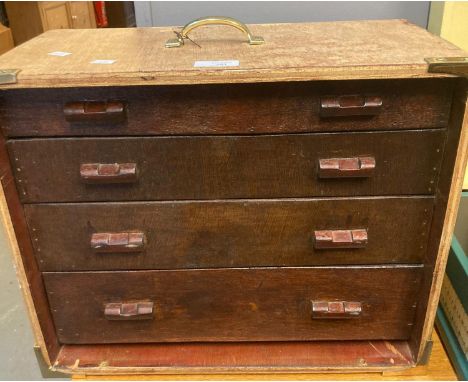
(292, 52)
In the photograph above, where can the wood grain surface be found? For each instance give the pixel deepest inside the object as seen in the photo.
(445, 214)
(234, 304)
(237, 358)
(171, 168)
(216, 109)
(26, 266)
(437, 369)
(239, 233)
(292, 52)
(424, 154)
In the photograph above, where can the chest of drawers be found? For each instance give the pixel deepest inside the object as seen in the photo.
(289, 212)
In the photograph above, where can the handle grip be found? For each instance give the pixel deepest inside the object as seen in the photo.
(95, 111)
(121, 242)
(340, 239)
(350, 105)
(213, 20)
(142, 310)
(357, 167)
(108, 173)
(336, 309)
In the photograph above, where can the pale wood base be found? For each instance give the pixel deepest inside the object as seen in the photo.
(438, 369)
(465, 182)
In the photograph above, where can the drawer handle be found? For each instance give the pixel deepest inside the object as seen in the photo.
(336, 309)
(357, 167)
(121, 242)
(112, 173)
(142, 310)
(95, 111)
(338, 239)
(350, 105)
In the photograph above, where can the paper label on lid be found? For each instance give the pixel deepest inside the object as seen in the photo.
(103, 62)
(59, 54)
(216, 64)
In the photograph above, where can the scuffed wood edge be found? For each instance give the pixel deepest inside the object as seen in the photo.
(21, 276)
(447, 232)
(106, 371)
(211, 76)
(465, 183)
(392, 358)
(438, 369)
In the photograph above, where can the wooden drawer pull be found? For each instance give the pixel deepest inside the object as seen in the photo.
(350, 105)
(95, 111)
(331, 239)
(121, 242)
(102, 173)
(357, 167)
(142, 310)
(336, 309)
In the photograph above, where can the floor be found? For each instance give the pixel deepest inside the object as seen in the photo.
(17, 357)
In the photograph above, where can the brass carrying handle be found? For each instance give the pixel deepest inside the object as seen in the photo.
(213, 20)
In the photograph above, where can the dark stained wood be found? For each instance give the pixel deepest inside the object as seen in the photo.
(350, 105)
(229, 233)
(440, 208)
(48, 170)
(222, 231)
(238, 357)
(228, 109)
(33, 275)
(234, 304)
(95, 112)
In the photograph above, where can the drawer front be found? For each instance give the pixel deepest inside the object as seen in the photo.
(227, 109)
(73, 237)
(61, 170)
(234, 305)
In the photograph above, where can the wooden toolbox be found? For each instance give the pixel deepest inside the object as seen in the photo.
(285, 205)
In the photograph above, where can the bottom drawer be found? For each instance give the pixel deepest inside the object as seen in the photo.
(324, 303)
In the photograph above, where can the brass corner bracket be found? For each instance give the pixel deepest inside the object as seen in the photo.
(457, 66)
(8, 76)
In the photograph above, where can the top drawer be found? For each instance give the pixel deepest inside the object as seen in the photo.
(227, 109)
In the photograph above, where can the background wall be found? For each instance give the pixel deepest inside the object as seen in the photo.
(449, 19)
(163, 13)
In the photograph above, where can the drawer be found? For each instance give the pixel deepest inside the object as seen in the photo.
(274, 166)
(358, 303)
(227, 109)
(242, 233)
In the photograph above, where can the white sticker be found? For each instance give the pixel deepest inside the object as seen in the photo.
(103, 62)
(59, 54)
(216, 64)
